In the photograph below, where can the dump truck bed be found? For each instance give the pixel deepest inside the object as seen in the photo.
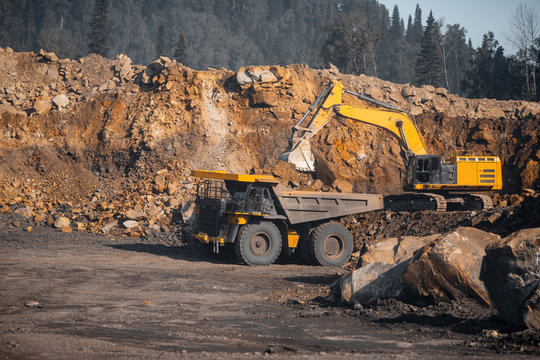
(307, 206)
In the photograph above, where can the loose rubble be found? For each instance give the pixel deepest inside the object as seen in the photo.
(95, 140)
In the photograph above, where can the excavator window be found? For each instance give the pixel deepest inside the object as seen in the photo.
(423, 170)
(426, 168)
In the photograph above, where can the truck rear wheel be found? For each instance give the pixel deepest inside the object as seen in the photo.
(258, 244)
(331, 244)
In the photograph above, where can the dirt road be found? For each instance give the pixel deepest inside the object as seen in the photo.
(149, 298)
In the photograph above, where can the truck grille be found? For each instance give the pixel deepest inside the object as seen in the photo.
(210, 216)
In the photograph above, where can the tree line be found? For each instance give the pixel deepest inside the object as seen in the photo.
(357, 36)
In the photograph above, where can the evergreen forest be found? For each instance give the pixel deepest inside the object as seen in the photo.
(357, 36)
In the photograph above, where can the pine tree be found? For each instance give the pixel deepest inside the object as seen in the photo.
(492, 74)
(160, 43)
(98, 41)
(428, 64)
(396, 25)
(417, 28)
(180, 51)
(408, 31)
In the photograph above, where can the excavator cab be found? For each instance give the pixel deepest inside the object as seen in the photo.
(427, 169)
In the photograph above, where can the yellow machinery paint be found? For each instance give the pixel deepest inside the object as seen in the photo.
(292, 238)
(479, 171)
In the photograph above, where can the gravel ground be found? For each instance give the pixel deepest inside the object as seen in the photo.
(75, 295)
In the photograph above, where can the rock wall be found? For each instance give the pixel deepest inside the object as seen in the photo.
(88, 138)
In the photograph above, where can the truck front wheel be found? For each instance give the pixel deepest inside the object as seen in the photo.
(331, 244)
(258, 244)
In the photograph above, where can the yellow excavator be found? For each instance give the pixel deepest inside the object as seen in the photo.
(435, 183)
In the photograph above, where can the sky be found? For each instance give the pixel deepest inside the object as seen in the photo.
(476, 16)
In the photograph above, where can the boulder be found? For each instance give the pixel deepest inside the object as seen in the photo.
(287, 172)
(441, 91)
(531, 109)
(260, 74)
(342, 186)
(107, 86)
(333, 69)
(172, 187)
(424, 94)
(243, 78)
(135, 215)
(129, 224)
(126, 72)
(50, 72)
(42, 106)
(393, 250)
(5, 210)
(408, 91)
(371, 282)
(511, 274)
(188, 212)
(62, 221)
(49, 56)
(483, 136)
(246, 76)
(8, 109)
(61, 101)
(173, 202)
(153, 211)
(159, 183)
(449, 269)
(531, 173)
(109, 226)
(123, 68)
(265, 98)
(374, 92)
(24, 212)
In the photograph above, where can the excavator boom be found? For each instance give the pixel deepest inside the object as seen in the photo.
(330, 103)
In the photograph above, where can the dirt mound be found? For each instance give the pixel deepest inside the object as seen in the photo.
(97, 140)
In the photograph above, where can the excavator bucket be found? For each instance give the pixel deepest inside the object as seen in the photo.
(300, 155)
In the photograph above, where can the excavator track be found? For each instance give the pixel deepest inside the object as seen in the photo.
(437, 202)
(441, 201)
(415, 202)
(487, 204)
(466, 202)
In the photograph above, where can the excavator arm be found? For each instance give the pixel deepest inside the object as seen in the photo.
(330, 103)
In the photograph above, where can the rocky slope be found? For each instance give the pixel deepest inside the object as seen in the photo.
(100, 142)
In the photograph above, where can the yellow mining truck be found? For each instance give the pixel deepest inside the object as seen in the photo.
(262, 219)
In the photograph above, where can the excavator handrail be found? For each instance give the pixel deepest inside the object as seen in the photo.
(364, 97)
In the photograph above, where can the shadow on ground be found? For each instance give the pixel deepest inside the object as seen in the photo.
(186, 253)
(314, 280)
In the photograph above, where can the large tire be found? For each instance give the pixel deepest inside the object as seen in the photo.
(331, 244)
(258, 244)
